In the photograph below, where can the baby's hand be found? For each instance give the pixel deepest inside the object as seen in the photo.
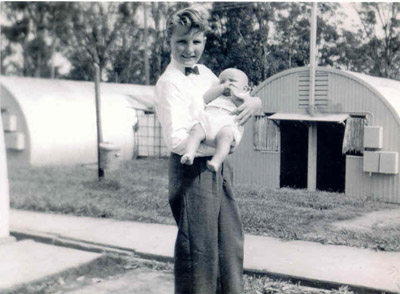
(227, 91)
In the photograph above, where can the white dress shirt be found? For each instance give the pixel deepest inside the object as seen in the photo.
(179, 105)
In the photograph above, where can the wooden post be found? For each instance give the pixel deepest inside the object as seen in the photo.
(312, 157)
(312, 129)
(98, 120)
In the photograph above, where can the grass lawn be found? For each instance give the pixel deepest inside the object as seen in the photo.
(138, 192)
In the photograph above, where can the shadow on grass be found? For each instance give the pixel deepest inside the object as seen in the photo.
(108, 185)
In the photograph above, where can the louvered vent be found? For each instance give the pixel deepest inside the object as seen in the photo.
(321, 88)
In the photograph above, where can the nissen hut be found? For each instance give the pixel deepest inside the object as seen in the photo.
(53, 122)
(344, 139)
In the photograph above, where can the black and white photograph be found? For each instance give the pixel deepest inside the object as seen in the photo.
(160, 147)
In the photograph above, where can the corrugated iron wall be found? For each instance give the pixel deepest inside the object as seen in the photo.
(258, 167)
(281, 94)
(289, 93)
(340, 93)
(10, 105)
(361, 184)
(354, 97)
(255, 167)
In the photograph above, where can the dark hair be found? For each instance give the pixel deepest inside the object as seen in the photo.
(186, 17)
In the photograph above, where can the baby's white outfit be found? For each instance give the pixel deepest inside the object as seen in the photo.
(218, 115)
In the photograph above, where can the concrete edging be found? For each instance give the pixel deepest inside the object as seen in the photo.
(104, 248)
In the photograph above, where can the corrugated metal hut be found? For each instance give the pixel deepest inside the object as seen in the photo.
(53, 122)
(348, 142)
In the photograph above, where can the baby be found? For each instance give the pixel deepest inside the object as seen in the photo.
(219, 127)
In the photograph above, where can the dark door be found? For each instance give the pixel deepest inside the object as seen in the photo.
(331, 163)
(294, 154)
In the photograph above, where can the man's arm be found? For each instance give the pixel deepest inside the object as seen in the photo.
(174, 116)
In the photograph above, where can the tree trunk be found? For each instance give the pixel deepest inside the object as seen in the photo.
(52, 67)
(38, 65)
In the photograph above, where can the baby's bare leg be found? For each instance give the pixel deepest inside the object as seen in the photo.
(224, 141)
(196, 135)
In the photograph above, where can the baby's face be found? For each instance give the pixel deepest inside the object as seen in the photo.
(233, 80)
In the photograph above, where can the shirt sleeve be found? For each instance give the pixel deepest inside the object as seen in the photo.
(173, 113)
(175, 117)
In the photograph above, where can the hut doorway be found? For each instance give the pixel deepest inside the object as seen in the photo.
(331, 163)
(294, 148)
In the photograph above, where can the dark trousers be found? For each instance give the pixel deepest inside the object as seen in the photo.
(209, 245)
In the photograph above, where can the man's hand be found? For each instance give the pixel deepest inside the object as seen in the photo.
(250, 107)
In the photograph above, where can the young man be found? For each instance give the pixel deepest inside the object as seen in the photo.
(209, 244)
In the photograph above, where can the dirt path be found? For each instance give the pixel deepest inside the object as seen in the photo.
(139, 281)
(373, 220)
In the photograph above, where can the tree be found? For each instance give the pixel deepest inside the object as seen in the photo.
(25, 21)
(239, 38)
(127, 55)
(159, 47)
(7, 51)
(94, 29)
(375, 47)
(293, 34)
(327, 33)
(128, 64)
(382, 52)
(34, 27)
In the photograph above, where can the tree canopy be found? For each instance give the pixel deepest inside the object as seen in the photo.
(260, 38)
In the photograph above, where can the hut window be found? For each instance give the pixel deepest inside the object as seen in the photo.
(265, 134)
(354, 136)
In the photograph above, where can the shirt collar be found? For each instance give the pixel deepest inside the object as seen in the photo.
(179, 66)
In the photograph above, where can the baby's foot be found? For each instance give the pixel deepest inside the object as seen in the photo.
(212, 166)
(187, 159)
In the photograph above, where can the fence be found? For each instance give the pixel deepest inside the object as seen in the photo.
(148, 138)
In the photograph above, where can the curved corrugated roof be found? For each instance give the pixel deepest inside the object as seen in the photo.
(388, 90)
(137, 96)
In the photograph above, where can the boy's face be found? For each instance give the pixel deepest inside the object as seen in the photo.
(187, 45)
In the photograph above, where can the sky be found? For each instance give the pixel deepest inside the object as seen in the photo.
(352, 19)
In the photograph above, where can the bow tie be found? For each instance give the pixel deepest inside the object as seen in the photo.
(193, 70)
